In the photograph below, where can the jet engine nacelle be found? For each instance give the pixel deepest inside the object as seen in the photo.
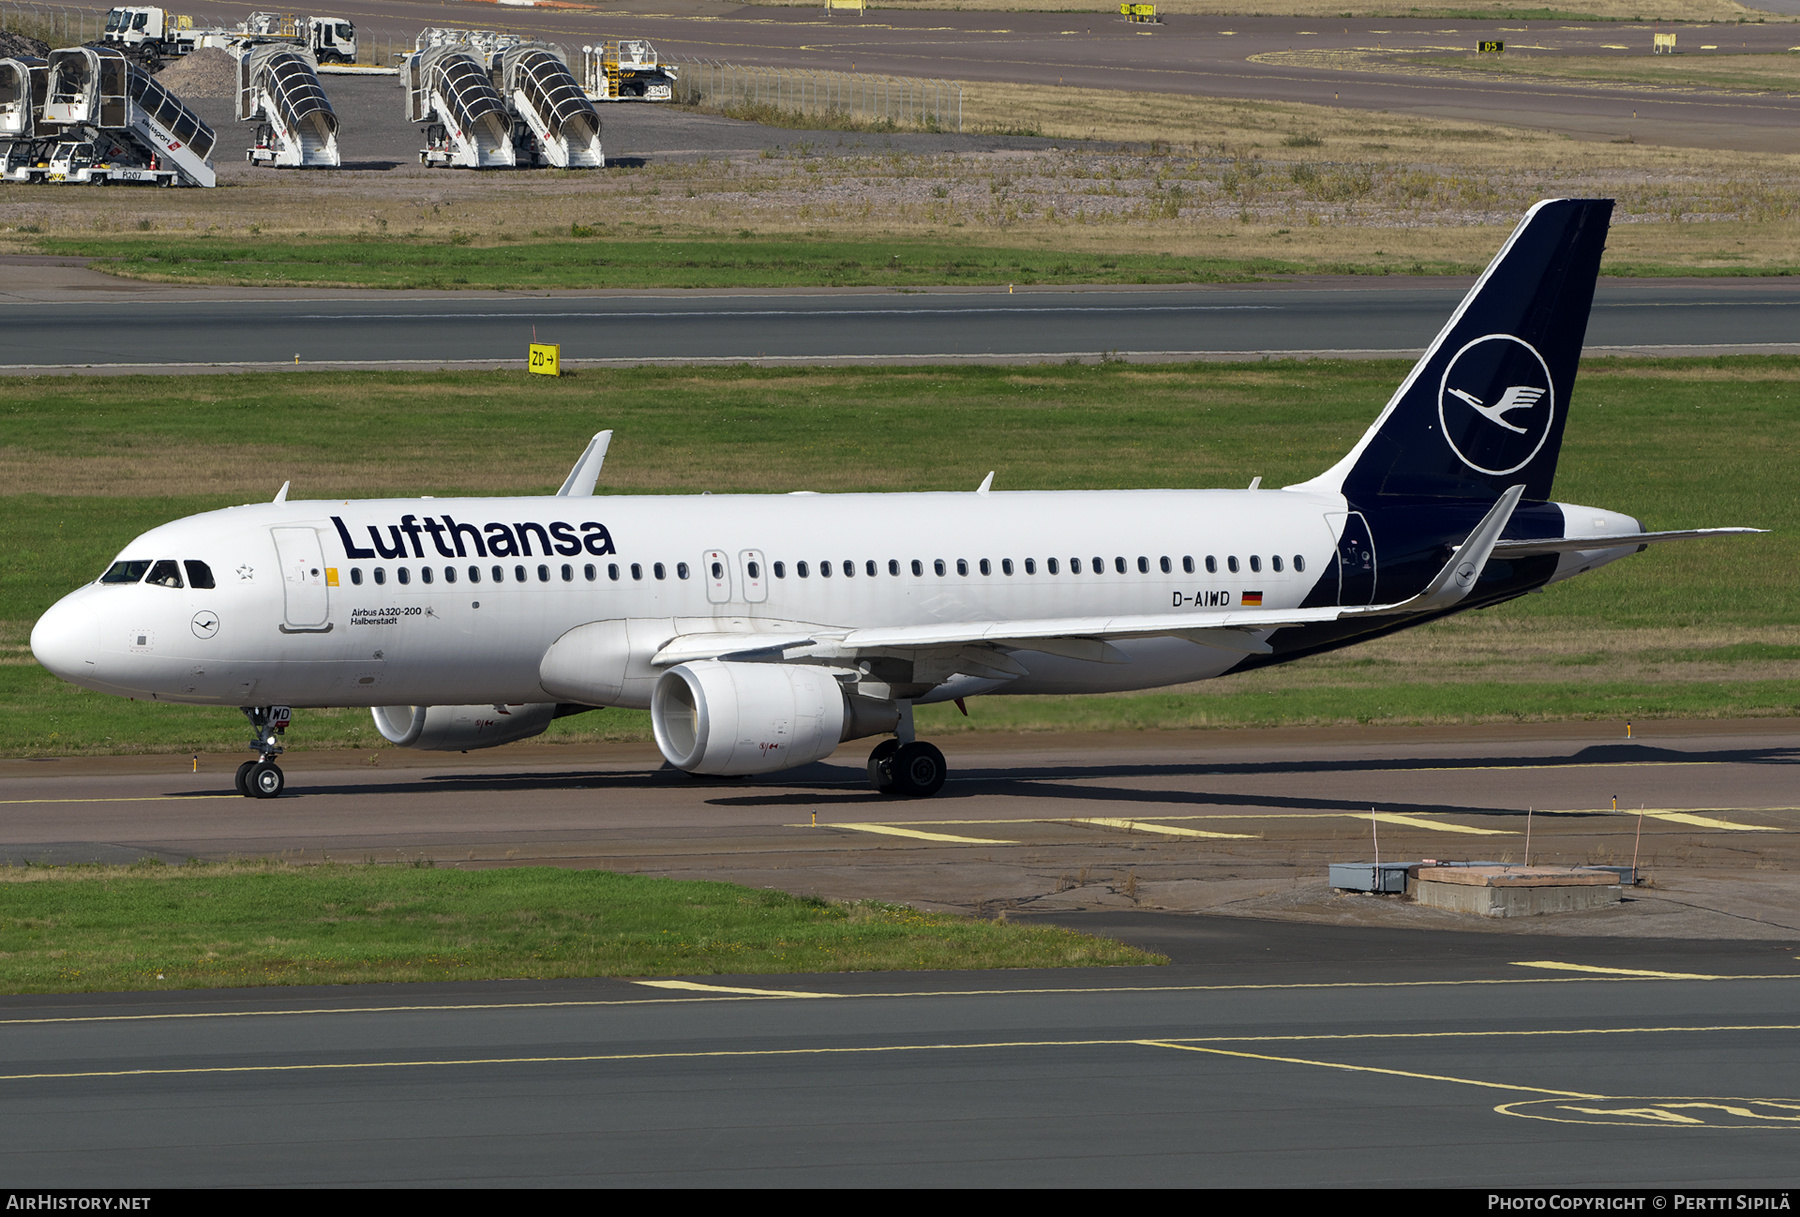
(460, 728)
(741, 718)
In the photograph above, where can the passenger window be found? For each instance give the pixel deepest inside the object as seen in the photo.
(637, 570)
(869, 568)
(1299, 563)
(449, 574)
(1168, 567)
(404, 574)
(1100, 566)
(590, 572)
(1231, 564)
(918, 568)
(1275, 563)
(986, 569)
(165, 574)
(893, 566)
(199, 575)
(962, 567)
(425, 574)
(660, 571)
(824, 570)
(1187, 564)
(938, 566)
(1119, 565)
(518, 574)
(1212, 565)
(356, 575)
(781, 570)
(1006, 566)
(849, 568)
(380, 576)
(718, 570)
(568, 573)
(800, 569)
(499, 574)
(1256, 563)
(612, 571)
(1144, 565)
(1074, 566)
(474, 574)
(125, 572)
(543, 574)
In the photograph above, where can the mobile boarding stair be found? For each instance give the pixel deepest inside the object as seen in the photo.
(23, 139)
(546, 97)
(119, 125)
(279, 85)
(467, 123)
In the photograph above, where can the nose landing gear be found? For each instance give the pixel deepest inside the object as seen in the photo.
(262, 778)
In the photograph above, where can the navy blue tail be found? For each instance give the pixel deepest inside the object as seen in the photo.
(1484, 409)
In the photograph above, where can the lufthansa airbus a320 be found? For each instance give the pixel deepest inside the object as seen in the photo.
(761, 631)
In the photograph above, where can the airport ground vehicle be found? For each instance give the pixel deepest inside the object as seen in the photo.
(761, 631)
(626, 69)
(491, 100)
(150, 34)
(103, 119)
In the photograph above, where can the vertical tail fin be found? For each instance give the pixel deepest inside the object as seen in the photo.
(1483, 410)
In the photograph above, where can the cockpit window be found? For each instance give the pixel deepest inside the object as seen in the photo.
(125, 572)
(165, 574)
(199, 574)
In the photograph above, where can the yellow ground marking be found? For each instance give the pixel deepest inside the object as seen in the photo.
(1388, 817)
(1202, 1046)
(1396, 1073)
(1688, 817)
(600, 1003)
(1558, 966)
(700, 988)
(890, 830)
(1165, 829)
(1640, 1112)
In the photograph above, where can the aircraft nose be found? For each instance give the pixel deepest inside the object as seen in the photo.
(65, 639)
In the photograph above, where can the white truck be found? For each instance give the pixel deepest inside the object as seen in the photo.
(151, 34)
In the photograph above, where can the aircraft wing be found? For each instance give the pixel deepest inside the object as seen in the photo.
(1564, 545)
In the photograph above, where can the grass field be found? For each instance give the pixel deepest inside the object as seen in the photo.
(92, 929)
(1704, 628)
(1118, 187)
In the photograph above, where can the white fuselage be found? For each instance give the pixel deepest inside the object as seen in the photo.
(390, 609)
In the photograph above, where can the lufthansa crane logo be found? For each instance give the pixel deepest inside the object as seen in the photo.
(1497, 403)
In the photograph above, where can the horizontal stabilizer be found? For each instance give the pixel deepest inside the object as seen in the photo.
(1567, 545)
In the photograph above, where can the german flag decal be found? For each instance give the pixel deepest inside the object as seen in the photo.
(1252, 600)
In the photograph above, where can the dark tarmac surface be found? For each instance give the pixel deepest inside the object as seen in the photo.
(1297, 1037)
(76, 318)
(1316, 60)
(1199, 821)
(1260, 1066)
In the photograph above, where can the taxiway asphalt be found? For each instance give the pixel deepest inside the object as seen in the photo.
(1436, 1073)
(117, 325)
(1361, 63)
(1296, 1038)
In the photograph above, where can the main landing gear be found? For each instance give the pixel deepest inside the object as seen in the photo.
(263, 779)
(905, 765)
